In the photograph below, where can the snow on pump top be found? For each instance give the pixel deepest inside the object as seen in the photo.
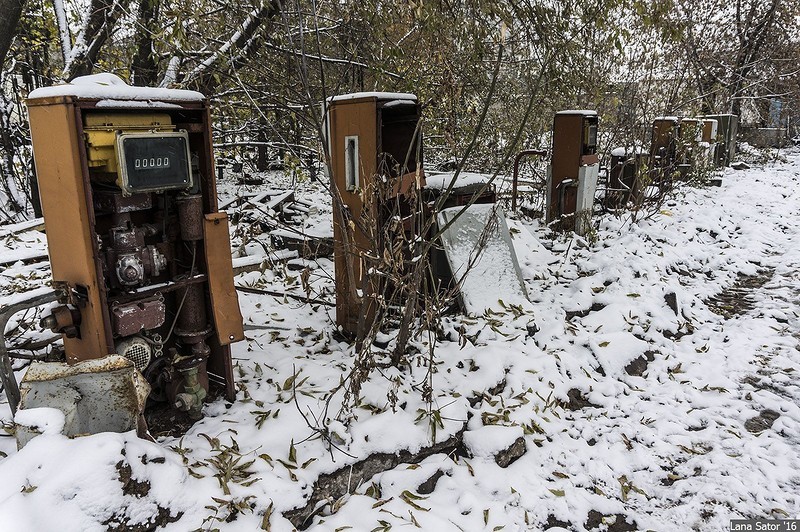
(111, 87)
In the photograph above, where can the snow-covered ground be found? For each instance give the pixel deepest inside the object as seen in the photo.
(654, 381)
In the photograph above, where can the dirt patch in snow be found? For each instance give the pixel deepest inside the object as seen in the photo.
(333, 486)
(736, 299)
(132, 487)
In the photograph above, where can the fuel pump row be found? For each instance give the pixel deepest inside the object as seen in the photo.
(140, 254)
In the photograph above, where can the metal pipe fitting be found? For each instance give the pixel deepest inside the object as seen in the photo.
(191, 399)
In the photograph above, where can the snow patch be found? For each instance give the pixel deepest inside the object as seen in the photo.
(376, 95)
(111, 87)
(487, 441)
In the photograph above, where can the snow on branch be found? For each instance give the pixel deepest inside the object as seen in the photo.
(171, 74)
(238, 40)
(334, 60)
(63, 28)
(98, 21)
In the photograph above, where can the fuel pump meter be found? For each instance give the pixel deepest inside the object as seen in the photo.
(573, 171)
(153, 162)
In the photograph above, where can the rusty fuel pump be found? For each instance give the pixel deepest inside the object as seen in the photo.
(375, 149)
(573, 172)
(140, 255)
(625, 177)
(664, 149)
(676, 149)
(725, 148)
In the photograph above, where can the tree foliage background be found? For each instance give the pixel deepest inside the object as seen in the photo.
(266, 65)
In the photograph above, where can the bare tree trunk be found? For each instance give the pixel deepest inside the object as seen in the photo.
(11, 11)
(144, 69)
(64, 36)
(14, 199)
(752, 32)
(241, 43)
(97, 26)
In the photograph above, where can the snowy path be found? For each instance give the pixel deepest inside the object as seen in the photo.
(682, 420)
(680, 433)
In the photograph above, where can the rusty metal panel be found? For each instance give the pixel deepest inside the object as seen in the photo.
(566, 153)
(709, 130)
(59, 169)
(664, 134)
(205, 150)
(567, 137)
(102, 395)
(131, 318)
(224, 301)
(354, 119)
(50, 100)
(408, 182)
(690, 130)
(351, 118)
(220, 367)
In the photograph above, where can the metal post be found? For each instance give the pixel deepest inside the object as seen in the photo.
(6, 371)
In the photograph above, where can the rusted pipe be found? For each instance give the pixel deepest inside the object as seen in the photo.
(562, 193)
(6, 371)
(190, 217)
(517, 160)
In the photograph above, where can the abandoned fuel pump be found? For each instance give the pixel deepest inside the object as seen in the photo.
(690, 134)
(375, 151)
(140, 255)
(727, 127)
(625, 177)
(664, 148)
(573, 171)
(708, 144)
